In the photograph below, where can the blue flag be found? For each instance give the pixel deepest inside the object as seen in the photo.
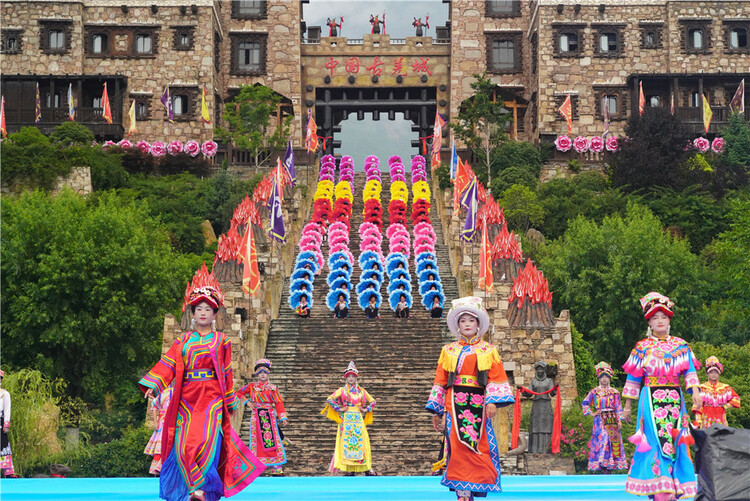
(277, 231)
(454, 159)
(470, 202)
(289, 163)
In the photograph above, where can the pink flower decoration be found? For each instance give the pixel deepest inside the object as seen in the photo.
(143, 146)
(701, 144)
(108, 144)
(612, 144)
(192, 148)
(124, 144)
(597, 144)
(209, 148)
(461, 397)
(717, 145)
(581, 144)
(477, 399)
(563, 143)
(158, 149)
(174, 147)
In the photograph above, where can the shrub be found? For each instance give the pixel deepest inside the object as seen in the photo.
(69, 133)
(29, 159)
(523, 176)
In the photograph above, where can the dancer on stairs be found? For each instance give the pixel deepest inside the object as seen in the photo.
(470, 384)
(351, 407)
(267, 417)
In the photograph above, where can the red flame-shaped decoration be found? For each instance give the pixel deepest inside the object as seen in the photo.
(228, 246)
(506, 246)
(202, 278)
(530, 283)
(491, 211)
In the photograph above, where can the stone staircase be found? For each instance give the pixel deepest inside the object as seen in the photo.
(396, 359)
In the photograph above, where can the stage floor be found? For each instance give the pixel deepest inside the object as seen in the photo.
(516, 488)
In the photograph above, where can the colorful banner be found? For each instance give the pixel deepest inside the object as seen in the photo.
(470, 202)
(38, 107)
(641, 99)
(204, 107)
(437, 139)
(566, 110)
(737, 104)
(707, 114)
(289, 163)
(311, 136)
(249, 258)
(486, 278)
(106, 108)
(131, 115)
(71, 104)
(454, 159)
(3, 130)
(166, 101)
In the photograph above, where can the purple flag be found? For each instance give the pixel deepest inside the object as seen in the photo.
(469, 200)
(737, 104)
(277, 231)
(289, 163)
(167, 102)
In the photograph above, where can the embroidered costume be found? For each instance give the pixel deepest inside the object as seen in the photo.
(204, 452)
(717, 398)
(606, 451)
(352, 453)
(153, 447)
(469, 376)
(6, 455)
(266, 413)
(661, 463)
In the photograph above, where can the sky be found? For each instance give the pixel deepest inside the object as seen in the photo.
(383, 138)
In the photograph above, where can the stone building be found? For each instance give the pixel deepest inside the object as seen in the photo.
(600, 52)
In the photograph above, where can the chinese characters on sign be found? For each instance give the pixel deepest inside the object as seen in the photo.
(420, 65)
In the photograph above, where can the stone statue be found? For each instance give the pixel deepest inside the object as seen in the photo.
(540, 429)
(419, 25)
(375, 22)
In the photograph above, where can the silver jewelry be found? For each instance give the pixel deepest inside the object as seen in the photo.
(213, 324)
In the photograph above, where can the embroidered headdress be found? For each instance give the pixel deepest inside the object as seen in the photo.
(604, 369)
(470, 305)
(713, 364)
(262, 365)
(653, 302)
(351, 370)
(208, 294)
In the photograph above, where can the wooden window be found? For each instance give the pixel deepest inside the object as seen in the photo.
(568, 41)
(184, 102)
(249, 9)
(143, 44)
(504, 53)
(99, 43)
(559, 101)
(142, 108)
(183, 37)
(10, 42)
(696, 37)
(736, 37)
(695, 99)
(502, 8)
(614, 101)
(651, 36)
(609, 41)
(180, 104)
(55, 36)
(249, 54)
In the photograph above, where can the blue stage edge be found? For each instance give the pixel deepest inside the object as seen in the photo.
(516, 488)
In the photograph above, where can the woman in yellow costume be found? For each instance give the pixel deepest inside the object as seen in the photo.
(351, 407)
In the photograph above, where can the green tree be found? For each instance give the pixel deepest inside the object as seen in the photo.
(481, 124)
(599, 272)
(521, 208)
(68, 133)
(520, 154)
(35, 416)
(514, 175)
(86, 284)
(736, 135)
(654, 153)
(30, 160)
(249, 117)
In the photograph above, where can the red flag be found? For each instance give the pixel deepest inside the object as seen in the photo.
(486, 279)
(106, 110)
(3, 130)
(641, 99)
(249, 258)
(311, 137)
(566, 110)
(437, 139)
(671, 104)
(463, 178)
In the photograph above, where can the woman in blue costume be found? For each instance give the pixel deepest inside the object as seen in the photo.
(661, 467)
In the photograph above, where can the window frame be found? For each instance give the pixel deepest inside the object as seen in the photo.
(46, 29)
(687, 28)
(236, 40)
(516, 40)
(652, 28)
(617, 31)
(139, 35)
(178, 33)
(568, 29)
(620, 94)
(729, 27)
(105, 49)
(515, 9)
(190, 94)
(236, 14)
(11, 34)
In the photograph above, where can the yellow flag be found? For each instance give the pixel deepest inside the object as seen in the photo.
(707, 114)
(204, 107)
(131, 115)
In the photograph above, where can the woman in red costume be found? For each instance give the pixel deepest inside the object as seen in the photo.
(205, 458)
(470, 384)
(717, 397)
(267, 414)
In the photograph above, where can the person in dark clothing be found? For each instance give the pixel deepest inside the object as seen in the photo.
(402, 310)
(436, 311)
(372, 311)
(341, 310)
